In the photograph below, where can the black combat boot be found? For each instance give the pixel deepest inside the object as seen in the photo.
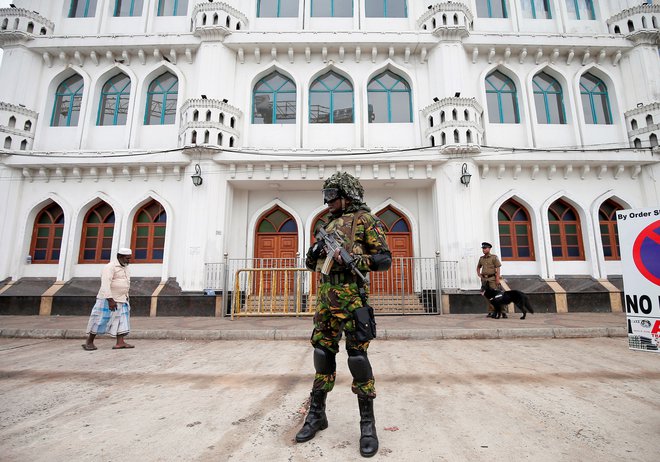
(316, 419)
(368, 437)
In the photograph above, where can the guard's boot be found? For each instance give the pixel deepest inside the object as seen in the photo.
(368, 436)
(504, 315)
(316, 419)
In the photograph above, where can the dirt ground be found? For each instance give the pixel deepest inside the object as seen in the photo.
(449, 400)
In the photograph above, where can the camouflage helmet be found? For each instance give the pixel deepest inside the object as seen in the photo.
(347, 184)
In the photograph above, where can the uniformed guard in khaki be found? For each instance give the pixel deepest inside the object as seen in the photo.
(488, 270)
(363, 236)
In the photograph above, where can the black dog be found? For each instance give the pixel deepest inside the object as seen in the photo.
(500, 299)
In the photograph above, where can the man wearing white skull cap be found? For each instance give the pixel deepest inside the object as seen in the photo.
(111, 312)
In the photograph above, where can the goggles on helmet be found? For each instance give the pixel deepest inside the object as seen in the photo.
(330, 194)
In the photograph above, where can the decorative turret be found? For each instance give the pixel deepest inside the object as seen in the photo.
(17, 127)
(456, 123)
(209, 121)
(214, 21)
(641, 24)
(643, 125)
(19, 24)
(447, 20)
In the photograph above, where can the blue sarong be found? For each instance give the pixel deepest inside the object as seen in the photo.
(104, 321)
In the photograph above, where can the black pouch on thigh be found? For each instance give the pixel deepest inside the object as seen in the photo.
(365, 324)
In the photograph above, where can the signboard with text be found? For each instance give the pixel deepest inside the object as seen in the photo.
(639, 239)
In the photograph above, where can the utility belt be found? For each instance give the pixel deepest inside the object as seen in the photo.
(488, 275)
(339, 278)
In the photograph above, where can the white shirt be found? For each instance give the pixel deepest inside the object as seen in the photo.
(115, 282)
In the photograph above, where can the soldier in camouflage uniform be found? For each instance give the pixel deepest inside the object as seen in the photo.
(338, 297)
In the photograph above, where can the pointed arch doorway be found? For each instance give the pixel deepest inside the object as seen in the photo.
(275, 246)
(398, 280)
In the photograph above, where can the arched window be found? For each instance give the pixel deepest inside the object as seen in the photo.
(68, 98)
(637, 143)
(389, 99)
(536, 9)
(8, 142)
(432, 140)
(631, 26)
(548, 99)
(595, 100)
(609, 232)
(161, 100)
(332, 8)
(208, 116)
(277, 8)
(128, 7)
(491, 9)
(386, 9)
(515, 230)
(649, 120)
(430, 121)
(47, 234)
(12, 122)
(82, 8)
(23, 145)
(148, 241)
(633, 124)
(502, 99)
(30, 27)
(5, 24)
(28, 126)
(97, 231)
(565, 232)
(172, 7)
(113, 108)
(653, 140)
(580, 9)
(331, 100)
(274, 100)
(617, 30)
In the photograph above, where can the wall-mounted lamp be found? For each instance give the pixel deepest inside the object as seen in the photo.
(465, 175)
(197, 177)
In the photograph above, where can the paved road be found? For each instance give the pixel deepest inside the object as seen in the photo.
(452, 400)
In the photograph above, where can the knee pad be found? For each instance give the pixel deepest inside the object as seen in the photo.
(359, 365)
(324, 361)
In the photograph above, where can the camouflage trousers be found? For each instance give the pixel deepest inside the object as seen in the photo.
(334, 316)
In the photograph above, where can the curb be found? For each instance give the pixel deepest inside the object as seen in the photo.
(300, 334)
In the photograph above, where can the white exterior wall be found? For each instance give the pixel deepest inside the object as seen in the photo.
(285, 164)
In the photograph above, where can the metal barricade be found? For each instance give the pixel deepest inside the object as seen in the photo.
(270, 292)
(413, 285)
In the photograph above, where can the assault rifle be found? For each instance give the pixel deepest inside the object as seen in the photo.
(331, 245)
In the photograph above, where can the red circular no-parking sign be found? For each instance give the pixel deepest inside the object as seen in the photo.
(646, 252)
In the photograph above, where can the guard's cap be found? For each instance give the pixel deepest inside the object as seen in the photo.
(125, 251)
(486, 244)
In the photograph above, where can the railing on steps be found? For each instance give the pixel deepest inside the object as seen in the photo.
(283, 287)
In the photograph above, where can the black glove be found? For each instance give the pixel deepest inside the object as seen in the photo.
(316, 250)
